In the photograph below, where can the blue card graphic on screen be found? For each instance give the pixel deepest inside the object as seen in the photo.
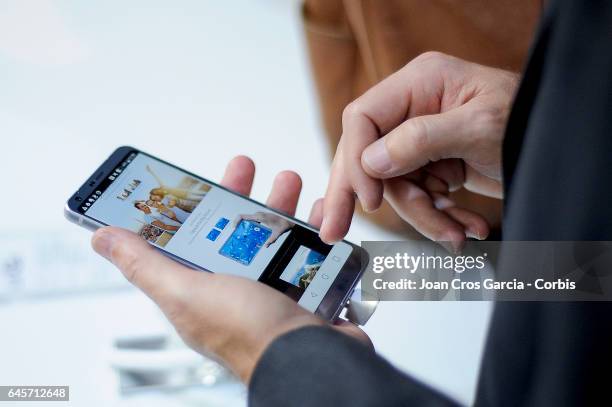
(244, 243)
(222, 223)
(213, 235)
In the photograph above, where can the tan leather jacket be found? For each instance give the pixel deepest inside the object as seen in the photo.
(353, 44)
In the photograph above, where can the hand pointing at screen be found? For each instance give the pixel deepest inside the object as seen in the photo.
(433, 127)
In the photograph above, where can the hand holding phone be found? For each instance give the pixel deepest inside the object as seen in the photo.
(187, 218)
(232, 317)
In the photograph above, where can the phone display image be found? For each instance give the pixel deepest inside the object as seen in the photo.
(155, 203)
(303, 267)
(246, 240)
(189, 218)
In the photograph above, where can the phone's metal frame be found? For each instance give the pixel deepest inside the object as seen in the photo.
(332, 303)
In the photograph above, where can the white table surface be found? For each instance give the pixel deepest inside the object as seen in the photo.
(195, 83)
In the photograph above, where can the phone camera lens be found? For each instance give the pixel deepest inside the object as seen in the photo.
(78, 199)
(92, 183)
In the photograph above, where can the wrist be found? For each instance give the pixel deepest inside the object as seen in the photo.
(289, 325)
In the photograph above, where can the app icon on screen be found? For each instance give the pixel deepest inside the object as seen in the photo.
(213, 235)
(222, 223)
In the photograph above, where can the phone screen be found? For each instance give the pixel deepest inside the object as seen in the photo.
(214, 229)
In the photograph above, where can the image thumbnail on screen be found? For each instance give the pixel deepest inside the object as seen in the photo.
(303, 267)
(151, 200)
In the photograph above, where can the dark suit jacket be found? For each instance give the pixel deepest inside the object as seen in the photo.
(558, 182)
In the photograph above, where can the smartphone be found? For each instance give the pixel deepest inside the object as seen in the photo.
(210, 228)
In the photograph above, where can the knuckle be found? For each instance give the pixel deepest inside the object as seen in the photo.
(351, 111)
(431, 57)
(414, 139)
(434, 64)
(488, 120)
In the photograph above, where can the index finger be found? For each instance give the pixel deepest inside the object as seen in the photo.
(338, 204)
(366, 119)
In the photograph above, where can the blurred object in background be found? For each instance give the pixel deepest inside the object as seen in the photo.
(369, 40)
(163, 362)
(50, 262)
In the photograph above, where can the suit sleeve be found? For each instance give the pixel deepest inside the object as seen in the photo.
(318, 366)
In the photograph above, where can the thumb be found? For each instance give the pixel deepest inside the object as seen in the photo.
(161, 278)
(416, 142)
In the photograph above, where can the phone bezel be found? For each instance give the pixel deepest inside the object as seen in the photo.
(333, 301)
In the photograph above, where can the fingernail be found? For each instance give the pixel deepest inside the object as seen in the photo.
(368, 209)
(377, 157)
(103, 243)
(442, 202)
(323, 223)
(327, 241)
(323, 227)
(472, 234)
(363, 203)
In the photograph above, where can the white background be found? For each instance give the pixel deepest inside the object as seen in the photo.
(195, 82)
